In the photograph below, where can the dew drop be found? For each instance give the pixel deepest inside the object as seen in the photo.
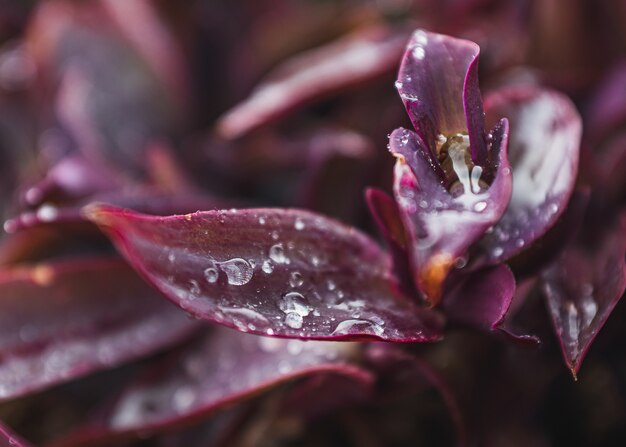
(238, 271)
(294, 302)
(295, 279)
(398, 84)
(331, 285)
(261, 220)
(194, 287)
(294, 320)
(299, 224)
(267, 266)
(359, 326)
(480, 206)
(497, 252)
(277, 254)
(211, 275)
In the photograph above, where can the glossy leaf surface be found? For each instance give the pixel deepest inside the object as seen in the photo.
(287, 273)
(544, 147)
(582, 287)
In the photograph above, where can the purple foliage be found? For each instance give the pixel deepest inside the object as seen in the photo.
(188, 258)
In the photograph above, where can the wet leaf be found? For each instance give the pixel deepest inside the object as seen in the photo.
(582, 287)
(543, 151)
(441, 227)
(64, 320)
(220, 368)
(287, 273)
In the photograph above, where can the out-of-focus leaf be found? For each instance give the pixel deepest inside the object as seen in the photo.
(582, 287)
(287, 273)
(544, 147)
(8, 439)
(319, 72)
(222, 367)
(64, 320)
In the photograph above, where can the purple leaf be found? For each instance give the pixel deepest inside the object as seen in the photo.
(442, 226)
(582, 287)
(287, 273)
(64, 320)
(438, 83)
(543, 151)
(221, 368)
(321, 71)
(451, 182)
(8, 439)
(483, 299)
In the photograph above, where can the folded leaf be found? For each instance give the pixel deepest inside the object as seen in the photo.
(286, 273)
(64, 320)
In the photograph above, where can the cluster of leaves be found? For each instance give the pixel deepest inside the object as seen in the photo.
(165, 284)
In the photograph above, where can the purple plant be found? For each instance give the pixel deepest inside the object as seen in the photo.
(127, 317)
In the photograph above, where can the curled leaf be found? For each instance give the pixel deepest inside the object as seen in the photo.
(287, 273)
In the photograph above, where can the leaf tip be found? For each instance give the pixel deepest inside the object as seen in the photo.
(433, 275)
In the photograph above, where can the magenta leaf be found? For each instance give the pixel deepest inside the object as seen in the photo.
(483, 299)
(9, 439)
(452, 182)
(582, 287)
(287, 273)
(221, 368)
(438, 83)
(321, 71)
(441, 227)
(64, 320)
(543, 151)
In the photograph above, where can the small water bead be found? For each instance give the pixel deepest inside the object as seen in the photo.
(294, 320)
(261, 220)
(479, 207)
(295, 279)
(267, 266)
(519, 243)
(194, 287)
(497, 252)
(211, 275)
(419, 52)
(238, 271)
(275, 235)
(553, 208)
(331, 285)
(277, 254)
(299, 224)
(398, 84)
(360, 326)
(294, 302)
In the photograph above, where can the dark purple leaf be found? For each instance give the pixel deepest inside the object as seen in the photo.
(147, 200)
(286, 273)
(321, 71)
(441, 226)
(64, 320)
(582, 287)
(543, 152)
(438, 83)
(483, 299)
(386, 214)
(8, 439)
(221, 368)
(73, 177)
